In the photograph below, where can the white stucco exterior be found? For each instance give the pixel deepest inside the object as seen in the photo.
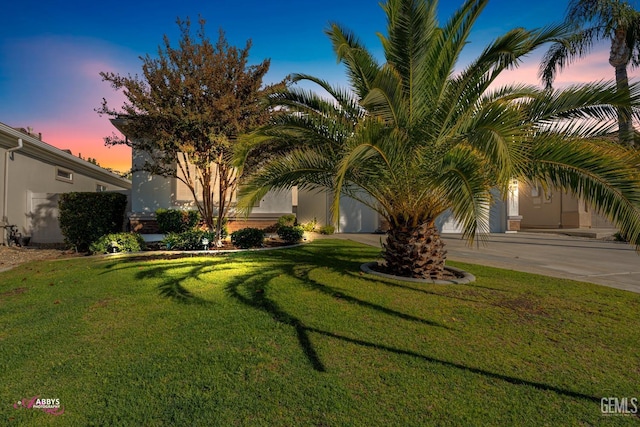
(152, 192)
(354, 216)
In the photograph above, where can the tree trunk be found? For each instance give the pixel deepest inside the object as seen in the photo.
(619, 57)
(222, 205)
(415, 251)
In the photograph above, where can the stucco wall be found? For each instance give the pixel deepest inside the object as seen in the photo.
(553, 209)
(313, 205)
(539, 209)
(354, 217)
(33, 183)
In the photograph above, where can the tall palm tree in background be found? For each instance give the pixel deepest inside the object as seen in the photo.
(595, 21)
(414, 136)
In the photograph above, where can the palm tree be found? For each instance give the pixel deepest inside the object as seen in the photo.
(593, 21)
(413, 137)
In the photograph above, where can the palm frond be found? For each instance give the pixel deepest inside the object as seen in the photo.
(346, 99)
(565, 51)
(362, 67)
(599, 101)
(467, 189)
(304, 168)
(446, 47)
(385, 99)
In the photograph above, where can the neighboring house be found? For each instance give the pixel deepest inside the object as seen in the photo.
(557, 210)
(152, 192)
(33, 174)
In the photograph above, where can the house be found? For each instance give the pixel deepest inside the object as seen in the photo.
(356, 217)
(525, 207)
(522, 208)
(151, 192)
(33, 174)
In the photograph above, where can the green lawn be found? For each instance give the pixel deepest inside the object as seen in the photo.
(300, 337)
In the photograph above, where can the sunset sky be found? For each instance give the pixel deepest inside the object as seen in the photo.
(51, 52)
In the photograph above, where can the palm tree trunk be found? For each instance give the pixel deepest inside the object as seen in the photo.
(625, 126)
(415, 251)
(619, 57)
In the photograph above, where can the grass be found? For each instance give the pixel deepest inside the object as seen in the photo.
(300, 337)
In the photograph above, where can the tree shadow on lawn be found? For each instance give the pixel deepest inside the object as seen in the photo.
(169, 272)
(252, 290)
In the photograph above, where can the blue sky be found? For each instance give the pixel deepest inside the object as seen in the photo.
(51, 52)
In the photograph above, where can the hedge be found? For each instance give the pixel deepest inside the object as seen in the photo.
(246, 238)
(85, 217)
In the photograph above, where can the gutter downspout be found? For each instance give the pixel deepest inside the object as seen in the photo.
(5, 208)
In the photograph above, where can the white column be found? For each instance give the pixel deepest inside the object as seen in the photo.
(513, 215)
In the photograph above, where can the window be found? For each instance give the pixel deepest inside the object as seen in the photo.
(100, 188)
(64, 175)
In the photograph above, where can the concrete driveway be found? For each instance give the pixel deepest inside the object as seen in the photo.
(607, 263)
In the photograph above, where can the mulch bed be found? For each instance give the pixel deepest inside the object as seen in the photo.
(12, 256)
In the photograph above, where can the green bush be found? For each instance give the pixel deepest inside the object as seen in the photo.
(247, 238)
(189, 240)
(310, 226)
(176, 221)
(117, 242)
(327, 229)
(85, 217)
(291, 234)
(288, 220)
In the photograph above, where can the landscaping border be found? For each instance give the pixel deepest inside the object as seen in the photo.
(466, 277)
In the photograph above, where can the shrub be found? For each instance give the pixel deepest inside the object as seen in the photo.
(291, 234)
(124, 242)
(288, 220)
(310, 226)
(85, 217)
(327, 229)
(176, 221)
(188, 241)
(247, 238)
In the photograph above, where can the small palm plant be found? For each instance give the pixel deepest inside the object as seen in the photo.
(413, 137)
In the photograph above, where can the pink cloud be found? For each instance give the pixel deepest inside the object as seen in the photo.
(595, 67)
